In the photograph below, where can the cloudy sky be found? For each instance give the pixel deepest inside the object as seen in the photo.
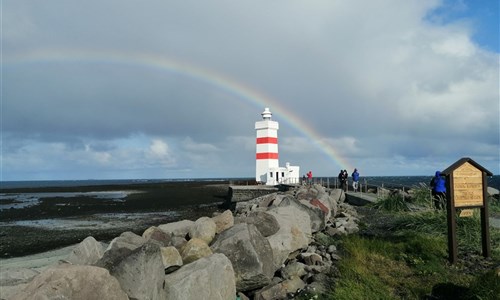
(172, 89)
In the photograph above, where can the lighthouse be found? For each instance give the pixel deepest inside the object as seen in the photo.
(267, 168)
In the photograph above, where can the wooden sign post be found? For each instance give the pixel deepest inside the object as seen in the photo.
(466, 188)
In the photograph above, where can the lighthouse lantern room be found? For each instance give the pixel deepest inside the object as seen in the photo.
(267, 168)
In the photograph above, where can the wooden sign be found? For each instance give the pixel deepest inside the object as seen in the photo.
(468, 186)
(466, 213)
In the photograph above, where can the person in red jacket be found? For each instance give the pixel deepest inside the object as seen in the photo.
(309, 177)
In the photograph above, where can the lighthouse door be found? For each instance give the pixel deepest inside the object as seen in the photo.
(277, 177)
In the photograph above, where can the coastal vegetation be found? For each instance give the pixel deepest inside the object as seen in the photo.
(401, 252)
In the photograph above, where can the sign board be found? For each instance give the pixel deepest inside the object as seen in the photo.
(468, 186)
(465, 213)
(465, 189)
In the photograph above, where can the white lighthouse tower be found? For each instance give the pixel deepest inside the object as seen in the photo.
(267, 157)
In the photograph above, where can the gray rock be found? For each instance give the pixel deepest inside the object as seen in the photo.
(295, 269)
(311, 259)
(119, 248)
(208, 278)
(223, 221)
(127, 240)
(16, 276)
(204, 229)
(316, 215)
(294, 233)
(141, 273)
(248, 252)
(194, 250)
(158, 236)
(113, 257)
(77, 282)
(180, 228)
(338, 195)
(178, 242)
(88, 252)
(266, 223)
(171, 258)
(280, 290)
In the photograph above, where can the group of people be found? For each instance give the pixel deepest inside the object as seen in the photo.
(307, 178)
(438, 185)
(343, 179)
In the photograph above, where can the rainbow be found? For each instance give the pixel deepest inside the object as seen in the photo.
(229, 85)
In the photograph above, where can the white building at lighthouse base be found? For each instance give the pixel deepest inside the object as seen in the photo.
(283, 175)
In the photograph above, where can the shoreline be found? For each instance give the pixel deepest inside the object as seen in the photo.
(56, 222)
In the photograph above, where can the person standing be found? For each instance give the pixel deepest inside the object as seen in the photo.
(309, 177)
(438, 185)
(341, 180)
(345, 176)
(355, 179)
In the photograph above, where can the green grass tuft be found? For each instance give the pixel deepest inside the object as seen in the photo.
(394, 202)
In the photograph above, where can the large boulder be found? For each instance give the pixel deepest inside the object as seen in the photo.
(210, 278)
(141, 273)
(194, 250)
(294, 233)
(76, 282)
(204, 229)
(248, 252)
(337, 195)
(13, 280)
(127, 240)
(223, 221)
(119, 248)
(281, 290)
(171, 258)
(16, 276)
(266, 223)
(317, 216)
(88, 252)
(158, 236)
(178, 229)
(330, 200)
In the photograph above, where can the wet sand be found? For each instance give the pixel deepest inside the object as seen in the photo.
(56, 221)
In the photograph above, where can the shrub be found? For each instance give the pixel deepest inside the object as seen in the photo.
(393, 202)
(421, 195)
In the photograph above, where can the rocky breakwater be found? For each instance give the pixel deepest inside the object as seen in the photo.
(266, 249)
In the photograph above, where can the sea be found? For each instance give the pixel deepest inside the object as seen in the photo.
(403, 181)
(13, 195)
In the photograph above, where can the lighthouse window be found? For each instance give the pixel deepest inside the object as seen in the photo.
(282, 174)
(271, 174)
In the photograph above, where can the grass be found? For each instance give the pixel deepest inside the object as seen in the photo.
(407, 257)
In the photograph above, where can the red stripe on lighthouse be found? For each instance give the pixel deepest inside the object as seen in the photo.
(267, 155)
(267, 140)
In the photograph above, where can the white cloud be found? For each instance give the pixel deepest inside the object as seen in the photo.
(377, 81)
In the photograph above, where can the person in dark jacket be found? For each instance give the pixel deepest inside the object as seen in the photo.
(438, 185)
(341, 180)
(355, 180)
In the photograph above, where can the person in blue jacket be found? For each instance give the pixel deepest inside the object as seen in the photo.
(355, 179)
(438, 185)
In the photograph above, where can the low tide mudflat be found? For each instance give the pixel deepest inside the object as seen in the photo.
(55, 217)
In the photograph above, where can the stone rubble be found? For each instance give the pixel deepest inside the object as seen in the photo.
(268, 248)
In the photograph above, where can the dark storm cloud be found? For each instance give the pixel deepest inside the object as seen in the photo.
(376, 80)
